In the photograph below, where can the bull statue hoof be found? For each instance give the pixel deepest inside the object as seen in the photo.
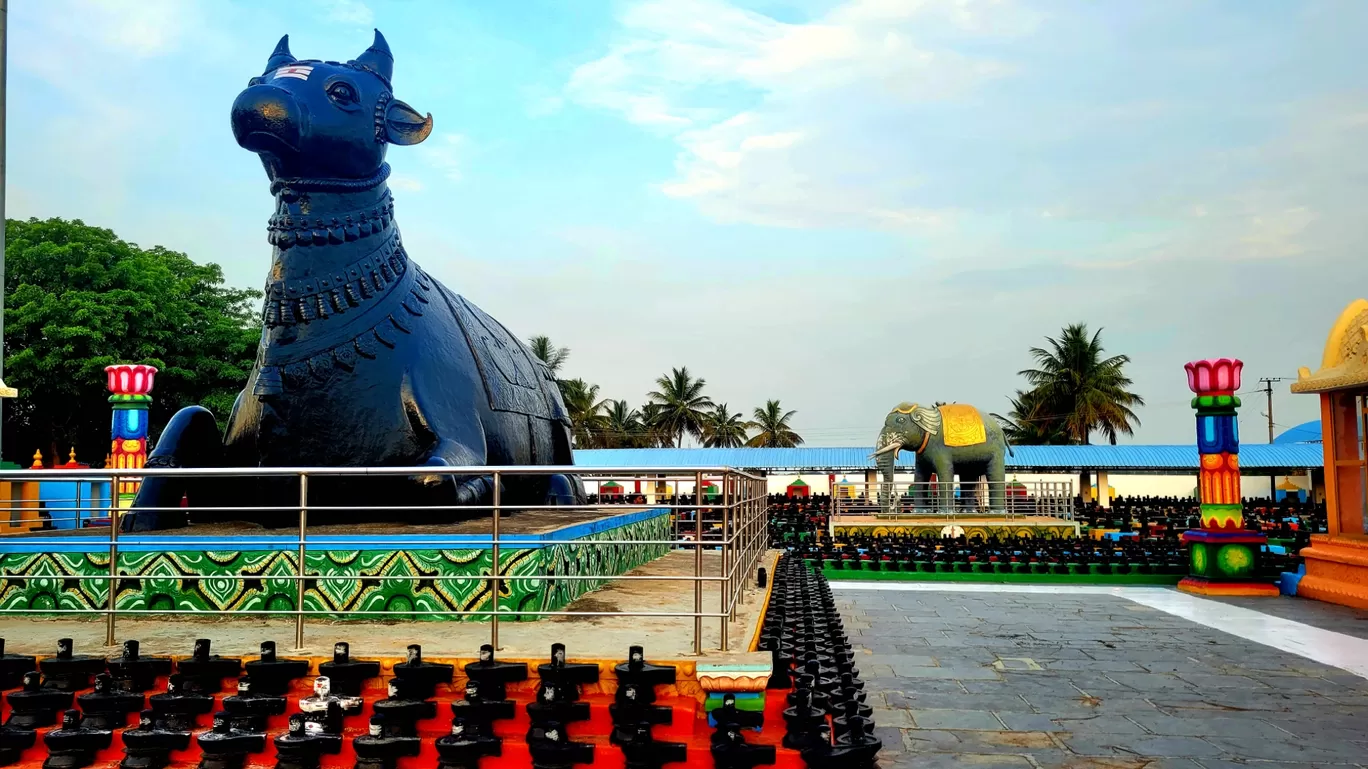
(949, 440)
(365, 359)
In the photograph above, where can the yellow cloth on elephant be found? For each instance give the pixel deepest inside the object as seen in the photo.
(962, 425)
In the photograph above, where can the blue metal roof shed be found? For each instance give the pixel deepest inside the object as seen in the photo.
(1136, 460)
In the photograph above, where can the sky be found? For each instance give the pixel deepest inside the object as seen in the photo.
(842, 204)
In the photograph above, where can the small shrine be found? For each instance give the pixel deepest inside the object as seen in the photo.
(1337, 562)
(798, 488)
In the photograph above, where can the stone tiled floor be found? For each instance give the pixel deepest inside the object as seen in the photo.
(1341, 619)
(1039, 680)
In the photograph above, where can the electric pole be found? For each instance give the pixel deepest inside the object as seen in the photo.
(1267, 382)
(4, 35)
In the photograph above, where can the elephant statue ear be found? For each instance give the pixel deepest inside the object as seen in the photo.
(928, 419)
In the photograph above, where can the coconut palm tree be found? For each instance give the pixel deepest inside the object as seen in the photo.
(585, 410)
(774, 431)
(554, 357)
(622, 426)
(654, 436)
(683, 406)
(1086, 390)
(1030, 422)
(723, 429)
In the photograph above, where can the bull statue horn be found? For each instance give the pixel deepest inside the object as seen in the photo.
(280, 57)
(377, 58)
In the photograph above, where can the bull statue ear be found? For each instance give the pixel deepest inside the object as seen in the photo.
(280, 57)
(404, 124)
(377, 58)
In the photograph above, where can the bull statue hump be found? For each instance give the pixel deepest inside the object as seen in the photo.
(365, 360)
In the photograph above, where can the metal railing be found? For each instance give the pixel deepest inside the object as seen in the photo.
(929, 498)
(734, 517)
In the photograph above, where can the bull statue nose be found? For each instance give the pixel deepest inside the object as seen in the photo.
(267, 119)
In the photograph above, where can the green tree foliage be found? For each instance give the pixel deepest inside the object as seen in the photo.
(772, 422)
(1075, 383)
(585, 410)
(80, 299)
(554, 357)
(683, 408)
(723, 429)
(1030, 422)
(1077, 390)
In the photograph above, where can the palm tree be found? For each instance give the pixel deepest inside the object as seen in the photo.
(585, 410)
(1085, 390)
(622, 426)
(683, 406)
(1030, 422)
(723, 429)
(654, 436)
(774, 431)
(554, 357)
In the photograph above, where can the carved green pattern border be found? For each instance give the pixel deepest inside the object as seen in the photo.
(341, 584)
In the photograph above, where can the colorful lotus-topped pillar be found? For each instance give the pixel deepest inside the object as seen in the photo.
(129, 385)
(1223, 554)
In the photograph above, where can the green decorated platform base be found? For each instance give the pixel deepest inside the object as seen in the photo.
(1225, 563)
(46, 573)
(1078, 576)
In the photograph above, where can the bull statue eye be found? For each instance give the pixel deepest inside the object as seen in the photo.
(342, 93)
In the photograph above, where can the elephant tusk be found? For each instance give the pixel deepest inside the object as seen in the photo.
(893, 447)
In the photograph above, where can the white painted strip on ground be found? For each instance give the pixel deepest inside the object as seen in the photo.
(1324, 646)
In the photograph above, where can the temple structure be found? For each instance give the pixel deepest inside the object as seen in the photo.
(1337, 562)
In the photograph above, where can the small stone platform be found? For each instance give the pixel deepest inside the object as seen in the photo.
(985, 526)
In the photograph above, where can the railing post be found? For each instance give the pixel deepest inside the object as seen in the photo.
(494, 568)
(724, 571)
(698, 562)
(299, 567)
(113, 559)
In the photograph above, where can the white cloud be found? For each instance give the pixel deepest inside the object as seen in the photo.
(405, 183)
(774, 119)
(351, 12)
(446, 153)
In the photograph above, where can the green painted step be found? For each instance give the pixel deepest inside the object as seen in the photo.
(1013, 578)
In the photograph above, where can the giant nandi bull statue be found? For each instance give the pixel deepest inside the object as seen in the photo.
(365, 360)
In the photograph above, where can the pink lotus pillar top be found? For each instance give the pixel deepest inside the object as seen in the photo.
(1214, 377)
(130, 378)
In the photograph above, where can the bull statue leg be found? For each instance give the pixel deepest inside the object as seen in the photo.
(191, 439)
(465, 489)
(564, 490)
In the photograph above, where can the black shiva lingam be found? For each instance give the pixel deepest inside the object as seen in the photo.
(365, 360)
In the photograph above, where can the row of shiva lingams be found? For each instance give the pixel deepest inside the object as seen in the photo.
(827, 719)
(167, 722)
(108, 692)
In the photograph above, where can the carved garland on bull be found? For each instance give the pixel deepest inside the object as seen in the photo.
(365, 360)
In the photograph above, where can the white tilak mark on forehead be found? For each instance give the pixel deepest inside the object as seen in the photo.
(296, 71)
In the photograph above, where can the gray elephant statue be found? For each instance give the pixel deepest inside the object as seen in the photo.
(948, 439)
